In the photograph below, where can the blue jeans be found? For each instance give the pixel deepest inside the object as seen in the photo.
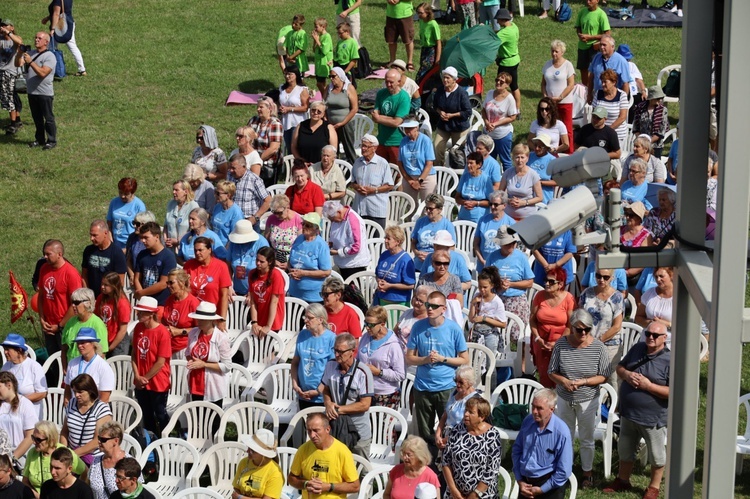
(487, 16)
(502, 151)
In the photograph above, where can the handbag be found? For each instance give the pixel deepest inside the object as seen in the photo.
(20, 83)
(64, 27)
(343, 428)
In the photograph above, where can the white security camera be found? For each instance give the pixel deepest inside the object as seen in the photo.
(580, 167)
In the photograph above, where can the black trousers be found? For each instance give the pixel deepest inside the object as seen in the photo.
(154, 405)
(44, 119)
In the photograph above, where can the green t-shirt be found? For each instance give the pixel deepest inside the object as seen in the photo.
(346, 50)
(340, 7)
(283, 32)
(507, 54)
(429, 33)
(71, 331)
(323, 55)
(297, 40)
(591, 23)
(402, 9)
(37, 467)
(395, 106)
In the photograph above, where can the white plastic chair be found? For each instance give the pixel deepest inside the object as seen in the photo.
(221, 460)
(396, 175)
(173, 455)
(404, 405)
(126, 411)
(198, 493)
(239, 379)
(276, 189)
(367, 282)
(400, 206)
(664, 73)
(280, 396)
(465, 230)
(54, 358)
(374, 481)
(123, 370)
(408, 228)
(394, 314)
(288, 164)
(131, 446)
(197, 422)
(286, 456)
(447, 180)
(376, 245)
(262, 352)
(293, 314)
(633, 308)
(743, 441)
(386, 423)
(346, 169)
(362, 125)
(515, 391)
(482, 360)
(605, 431)
(572, 491)
(348, 198)
(630, 333)
(178, 389)
(373, 230)
(238, 317)
(359, 313)
(153, 491)
(296, 427)
(54, 407)
(249, 417)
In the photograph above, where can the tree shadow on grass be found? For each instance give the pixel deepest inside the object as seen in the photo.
(256, 86)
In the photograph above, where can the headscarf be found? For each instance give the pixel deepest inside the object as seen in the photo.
(209, 137)
(340, 73)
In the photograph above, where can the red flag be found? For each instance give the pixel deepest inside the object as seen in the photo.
(19, 300)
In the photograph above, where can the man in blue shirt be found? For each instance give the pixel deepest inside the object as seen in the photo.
(543, 450)
(437, 347)
(607, 58)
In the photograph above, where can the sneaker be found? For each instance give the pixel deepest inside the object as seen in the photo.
(679, 12)
(34, 144)
(673, 9)
(651, 493)
(587, 482)
(49, 145)
(617, 485)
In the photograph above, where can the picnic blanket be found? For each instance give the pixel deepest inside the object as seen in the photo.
(642, 19)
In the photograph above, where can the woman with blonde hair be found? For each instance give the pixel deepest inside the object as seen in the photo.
(46, 439)
(395, 270)
(523, 184)
(414, 469)
(178, 306)
(178, 210)
(226, 213)
(203, 190)
(245, 136)
(268, 142)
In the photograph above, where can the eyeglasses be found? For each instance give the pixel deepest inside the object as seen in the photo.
(316, 111)
(37, 440)
(308, 318)
(370, 325)
(544, 109)
(219, 193)
(495, 205)
(416, 300)
(120, 478)
(137, 224)
(441, 264)
(171, 283)
(551, 281)
(309, 226)
(433, 306)
(104, 440)
(653, 336)
(78, 302)
(199, 138)
(326, 294)
(500, 80)
(582, 330)
(278, 213)
(239, 136)
(342, 352)
(603, 277)
(431, 208)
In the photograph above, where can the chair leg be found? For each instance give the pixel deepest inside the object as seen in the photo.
(607, 448)
(738, 464)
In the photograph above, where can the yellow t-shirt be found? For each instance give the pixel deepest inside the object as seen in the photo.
(253, 481)
(333, 465)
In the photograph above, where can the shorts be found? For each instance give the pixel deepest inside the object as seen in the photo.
(630, 436)
(320, 79)
(399, 27)
(513, 72)
(584, 58)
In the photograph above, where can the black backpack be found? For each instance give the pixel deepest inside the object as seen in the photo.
(353, 295)
(364, 66)
(672, 86)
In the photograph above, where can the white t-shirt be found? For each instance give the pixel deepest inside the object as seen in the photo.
(31, 379)
(557, 79)
(15, 423)
(292, 99)
(98, 368)
(635, 73)
(553, 133)
(497, 110)
(494, 309)
(250, 159)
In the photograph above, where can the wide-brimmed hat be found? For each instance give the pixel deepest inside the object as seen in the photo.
(624, 50)
(86, 334)
(443, 238)
(637, 208)
(503, 237)
(262, 442)
(544, 139)
(243, 232)
(398, 63)
(14, 340)
(311, 218)
(655, 92)
(206, 311)
(147, 304)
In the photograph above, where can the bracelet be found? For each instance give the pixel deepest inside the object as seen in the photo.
(331, 489)
(304, 485)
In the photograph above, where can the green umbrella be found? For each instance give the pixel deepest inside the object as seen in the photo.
(471, 51)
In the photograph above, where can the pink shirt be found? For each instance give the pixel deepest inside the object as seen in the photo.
(404, 487)
(281, 234)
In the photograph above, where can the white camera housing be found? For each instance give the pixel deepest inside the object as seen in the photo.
(579, 167)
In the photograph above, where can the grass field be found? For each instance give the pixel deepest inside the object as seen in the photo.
(160, 68)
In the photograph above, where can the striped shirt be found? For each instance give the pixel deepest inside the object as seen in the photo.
(613, 108)
(577, 363)
(82, 427)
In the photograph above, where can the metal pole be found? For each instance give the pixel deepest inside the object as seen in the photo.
(730, 256)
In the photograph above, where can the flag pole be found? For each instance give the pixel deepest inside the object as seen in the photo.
(30, 318)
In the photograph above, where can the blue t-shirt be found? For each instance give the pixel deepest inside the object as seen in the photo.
(620, 281)
(646, 281)
(424, 232)
(314, 352)
(413, 154)
(187, 249)
(308, 255)
(632, 193)
(554, 250)
(399, 269)
(514, 267)
(476, 188)
(539, 165)
(487, 232)
(457, 267)
(447, 340)
(241, 257)
(153, 267)
(121, 216)
(223, 221)
(492, 167)
(673, 152)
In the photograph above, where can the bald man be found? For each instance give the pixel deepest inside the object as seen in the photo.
(57, 281)
(392, 105)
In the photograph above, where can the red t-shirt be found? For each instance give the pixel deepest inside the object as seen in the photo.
(207, 281)
(112, 318)
(346, 321)
(305, 201)
(262, 298)
(148, 346)
(197, 377)
(55, 288)
(176, 315)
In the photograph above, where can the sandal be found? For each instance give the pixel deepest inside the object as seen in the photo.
(81, 73)
(410, 67)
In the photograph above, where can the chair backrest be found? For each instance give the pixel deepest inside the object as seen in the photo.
(221, 461)
(286, 456)
(239, 379)
(348, 198)
(293, 314)
(153, 491)
(745, 401)
(276, 189)
(367, 282)
(482, 360)
(346, 169)
(123, 370)
(125, 411)
(277, 381)
(532, 291)
(573, 486)
(387, 424)
(362, 125)
(288, 164)
(665, 73)
(199, 417)
(516, 391)
(400, 206)
(249, 417)
(374, 481)
(264, 352)
(298, 419)
(359, 313)
(408, 227)
(376, 245)
(373, 229)
(394, 314)
(633, 307)
(630, 333)
(447, 180)
(54, 406)
(197, 493)
(465, 230)
(404, 405)
(238, 317)
(55, 358)
(172, 454)
(178, 388)
(131, 446)
(507, 483)
(607, 396)
(396, 175)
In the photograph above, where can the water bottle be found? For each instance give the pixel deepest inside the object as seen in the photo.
(652, 15)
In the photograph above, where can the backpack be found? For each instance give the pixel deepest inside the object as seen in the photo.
(59, 62)
(353, 295)
(563, 13)
(509, 416)
(364, 66)
(672, 86)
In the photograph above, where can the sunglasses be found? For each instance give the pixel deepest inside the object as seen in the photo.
(171, 283)
(37, 440)
(342, 352)
(653, 336)
(278, 213)
(137, 224)
(326, 294)
(603, 277)
(495, 205)
(333, 76)
(582, 330)
(544, 109)
(431, 208)
(370, 325)
(551, 281)
(78, 302)
(441, 264)
(433, 306)
(105, 439)
(199, 137)
(239, 136)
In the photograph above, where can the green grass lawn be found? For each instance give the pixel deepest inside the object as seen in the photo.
(160, 68)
